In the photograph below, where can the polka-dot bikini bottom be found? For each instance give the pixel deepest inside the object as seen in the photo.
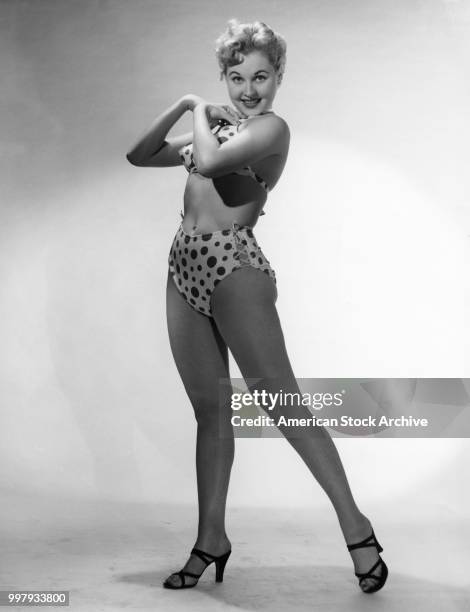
(198, 262)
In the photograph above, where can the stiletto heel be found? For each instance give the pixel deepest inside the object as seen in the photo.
(371, 541)
(219, 561)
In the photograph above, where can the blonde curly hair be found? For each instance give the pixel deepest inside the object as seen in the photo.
(242, 38)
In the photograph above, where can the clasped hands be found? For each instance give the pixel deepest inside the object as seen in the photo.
(214, 112)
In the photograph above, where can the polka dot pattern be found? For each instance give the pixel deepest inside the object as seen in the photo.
(212, 258)
(224, 131)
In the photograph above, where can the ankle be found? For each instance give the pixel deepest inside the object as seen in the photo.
(357, 528)
(213, 544)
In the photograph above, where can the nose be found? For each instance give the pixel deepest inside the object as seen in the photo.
(249, 90)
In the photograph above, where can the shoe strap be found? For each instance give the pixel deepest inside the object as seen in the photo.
(190, 574)
(365, 542)
(369, 573)
(183, 573)
(202, 555)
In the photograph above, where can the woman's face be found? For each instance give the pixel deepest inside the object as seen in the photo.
(252, 85)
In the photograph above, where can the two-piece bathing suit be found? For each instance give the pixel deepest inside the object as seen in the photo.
(198, 262)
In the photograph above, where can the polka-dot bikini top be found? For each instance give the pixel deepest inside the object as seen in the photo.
(223, 130)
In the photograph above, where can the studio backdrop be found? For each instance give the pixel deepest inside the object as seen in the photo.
(367, 230)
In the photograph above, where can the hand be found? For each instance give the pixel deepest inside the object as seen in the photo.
(220, 111)
(191, 100)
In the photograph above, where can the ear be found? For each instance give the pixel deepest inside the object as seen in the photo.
(279, 78)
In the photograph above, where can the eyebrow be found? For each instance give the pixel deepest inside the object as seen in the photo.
(257, 72)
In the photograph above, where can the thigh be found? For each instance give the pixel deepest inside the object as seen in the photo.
(200, 352)
(244, 309)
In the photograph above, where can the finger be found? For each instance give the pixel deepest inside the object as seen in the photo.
(229, 110)
(230, 114)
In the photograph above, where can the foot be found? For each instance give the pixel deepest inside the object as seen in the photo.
(364, 558)
(195, 564)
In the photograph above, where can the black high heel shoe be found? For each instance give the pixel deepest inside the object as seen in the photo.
(380, 580)
(219, 561)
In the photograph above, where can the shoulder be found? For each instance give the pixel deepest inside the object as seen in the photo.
(279, 121)
(271, 125)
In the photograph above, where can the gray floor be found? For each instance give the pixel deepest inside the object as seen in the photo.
(114, 556)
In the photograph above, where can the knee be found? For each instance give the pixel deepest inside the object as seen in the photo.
(272, 367)
(208, 411)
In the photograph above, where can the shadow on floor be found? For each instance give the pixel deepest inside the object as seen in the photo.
(300, 588)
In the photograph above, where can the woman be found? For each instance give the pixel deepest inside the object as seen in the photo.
(221, 289)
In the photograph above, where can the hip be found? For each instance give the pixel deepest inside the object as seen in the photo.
(220, 251)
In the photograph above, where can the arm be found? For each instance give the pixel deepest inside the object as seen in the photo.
(153, 148)
(258, 139)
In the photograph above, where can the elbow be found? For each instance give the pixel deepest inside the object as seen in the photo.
(206, 169)
(134, 160)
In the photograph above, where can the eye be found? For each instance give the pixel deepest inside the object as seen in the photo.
(261, 77)
(236, 79)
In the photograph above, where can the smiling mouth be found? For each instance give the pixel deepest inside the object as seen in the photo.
(251, 102)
